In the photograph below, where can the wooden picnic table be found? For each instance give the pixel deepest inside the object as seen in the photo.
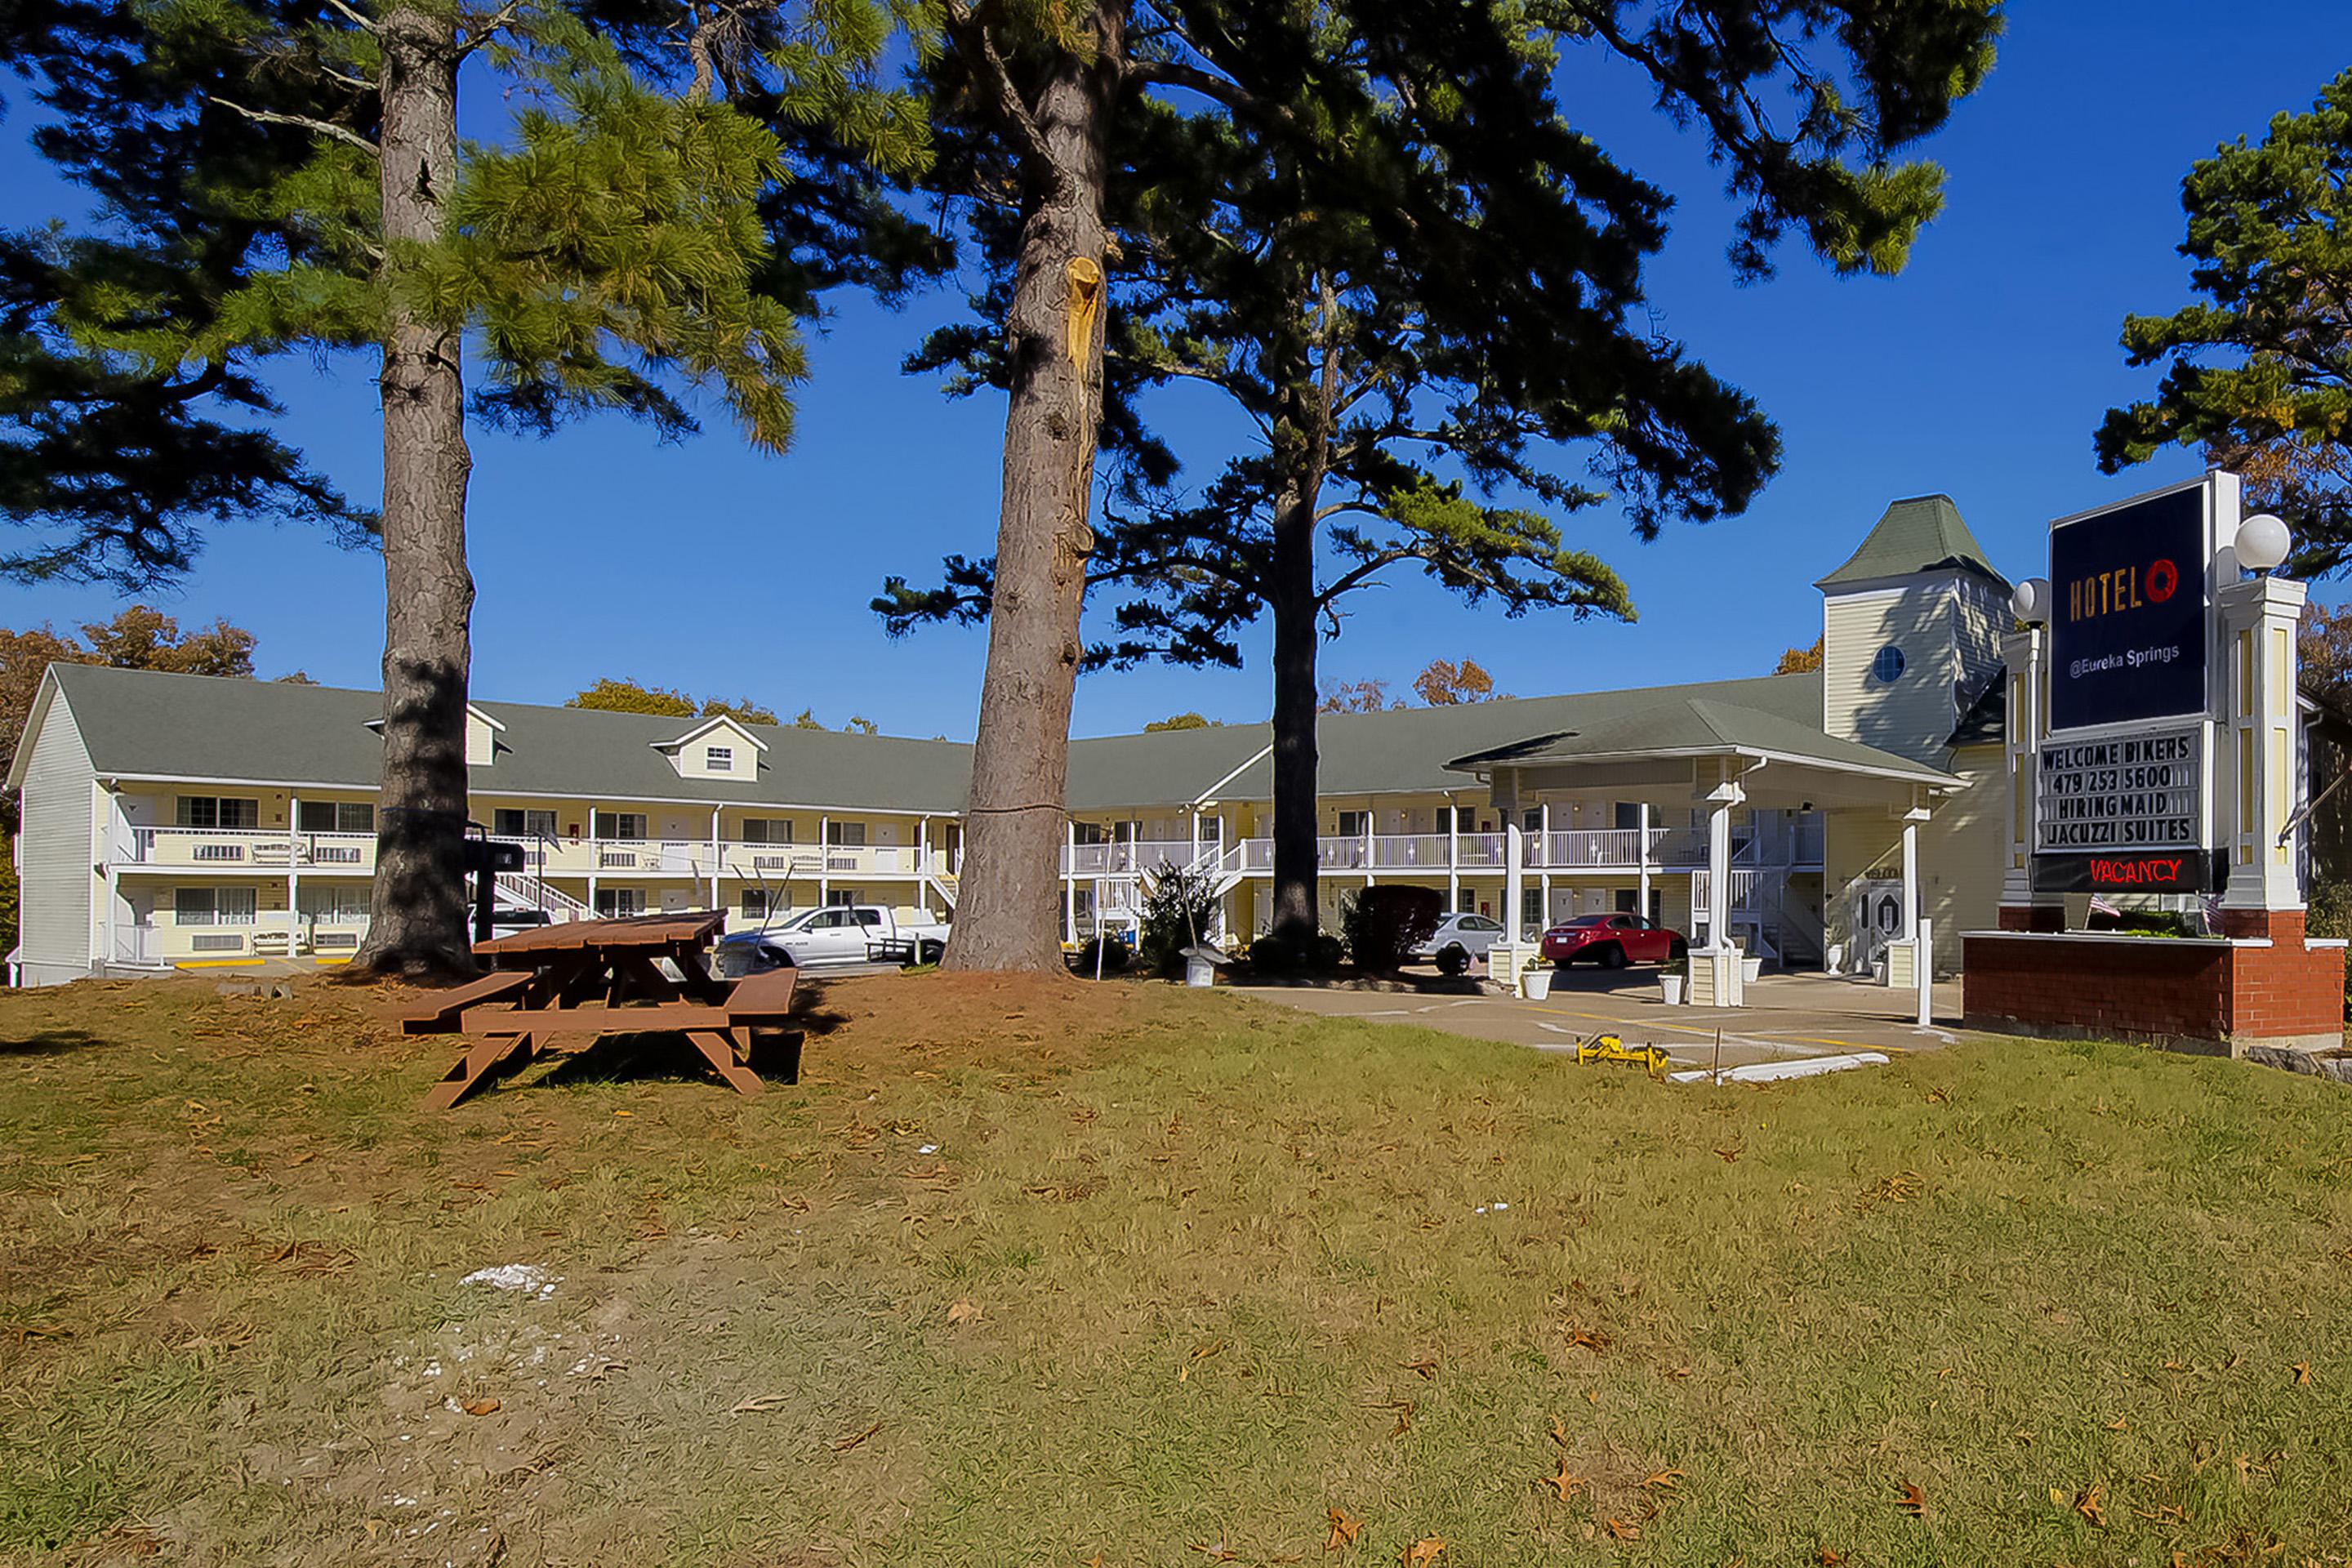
(560, 987)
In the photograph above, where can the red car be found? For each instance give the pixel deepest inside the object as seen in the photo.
(1612, 941)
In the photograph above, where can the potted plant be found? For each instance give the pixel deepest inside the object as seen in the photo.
(1673, 979)
(1535, 979)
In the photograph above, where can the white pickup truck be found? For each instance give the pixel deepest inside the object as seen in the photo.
(835, 935)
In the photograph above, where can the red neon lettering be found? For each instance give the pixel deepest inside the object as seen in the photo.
(2142, 873)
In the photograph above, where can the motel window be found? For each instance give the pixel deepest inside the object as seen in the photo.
(334, 903)
(213, 906)
(620, 824)
(845, 835)
(755, 903)
(1087, 833)
(510, 823)
(1355, 824)
(767, 830)
(618, 903)
(336, 817)
(719, 759)
(1531, 910)
(841, 897)
(218, 811)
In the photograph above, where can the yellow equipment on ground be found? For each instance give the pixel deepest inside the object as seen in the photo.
(1652, 1059)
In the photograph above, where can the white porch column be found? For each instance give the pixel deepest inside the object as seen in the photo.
(1543, 860)
(293, 877)
(2258, 617)
(1715, 975)
(1514, 874)
(1910, 962)
(1372, 828)
(714, 858)
(1453, 855)
(1641, 858)
(823, 860)
(1070, 882)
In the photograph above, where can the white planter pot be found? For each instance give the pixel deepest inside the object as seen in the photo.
(1752, 970)
(1536, 985)
(1670, 989)
(1834, 960)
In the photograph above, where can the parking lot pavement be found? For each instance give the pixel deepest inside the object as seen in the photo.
(1794, 1016)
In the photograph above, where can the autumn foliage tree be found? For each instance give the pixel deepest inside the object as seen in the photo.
(1800, 660)
(1443, 683)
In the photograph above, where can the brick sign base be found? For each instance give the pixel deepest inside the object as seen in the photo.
(2261, 984)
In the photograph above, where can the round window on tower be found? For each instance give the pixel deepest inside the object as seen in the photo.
(1887, 668)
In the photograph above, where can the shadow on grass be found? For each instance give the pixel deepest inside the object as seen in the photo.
(50, 1043)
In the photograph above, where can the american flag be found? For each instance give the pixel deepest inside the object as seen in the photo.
(2100, 906)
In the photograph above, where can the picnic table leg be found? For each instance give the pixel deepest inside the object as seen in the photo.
(719, 1052)
(480, 1058)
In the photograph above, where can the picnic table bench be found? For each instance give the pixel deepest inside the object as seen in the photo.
(559, 988)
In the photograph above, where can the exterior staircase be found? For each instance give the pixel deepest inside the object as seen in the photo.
(943, 883)
(524, 891)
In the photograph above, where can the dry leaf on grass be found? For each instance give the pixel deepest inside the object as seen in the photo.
(1562, 1484)
(1913, 1502)
(1665, 1480)
(2093, 1504)
(1592, 1339)
(1623, 1530)
(964, 1312)
(1200, 1353)
(1829, 1559)
(2301, 1373)
(1216, 1552)
(1343, 1532)
(1425, 1365)
(481, 1407)
(1428, 1549)
(842, 1445)
(758, 1404)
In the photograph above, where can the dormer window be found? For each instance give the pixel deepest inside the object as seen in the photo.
(716, 748)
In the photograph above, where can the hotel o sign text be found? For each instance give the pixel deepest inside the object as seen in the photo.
(2128, 630)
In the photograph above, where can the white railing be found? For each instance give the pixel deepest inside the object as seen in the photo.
(245, 848)
(1125, 857)
(1812, 841)
(1412, 852)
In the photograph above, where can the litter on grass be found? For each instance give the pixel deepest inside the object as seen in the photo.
(1773, 1072)
(528, 1278)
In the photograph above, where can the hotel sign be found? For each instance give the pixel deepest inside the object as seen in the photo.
(2121, 780)
(2127, 624)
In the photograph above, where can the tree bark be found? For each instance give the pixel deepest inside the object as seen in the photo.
(1302, 445)
(1007, 911)
(418, 916)
(1296, 814)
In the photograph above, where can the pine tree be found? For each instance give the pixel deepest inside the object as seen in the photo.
(1374, 229)
(298, 172)
(2262, 376)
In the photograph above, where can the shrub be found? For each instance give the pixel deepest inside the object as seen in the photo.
(1180, 910)
(1385, 922)
(1271, 955)
(1107, 952)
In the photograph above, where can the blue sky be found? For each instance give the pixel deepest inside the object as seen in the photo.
(1981, 372)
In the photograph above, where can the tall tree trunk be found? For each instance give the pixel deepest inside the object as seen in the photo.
(1007, 911)
(1296, 816)
(417, 922)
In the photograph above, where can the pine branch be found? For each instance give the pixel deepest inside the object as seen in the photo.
(1015, 113)
(300, 121)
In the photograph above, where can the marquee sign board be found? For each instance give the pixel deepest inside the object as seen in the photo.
(2133, 792)
(2128, 629)
(2123, 781)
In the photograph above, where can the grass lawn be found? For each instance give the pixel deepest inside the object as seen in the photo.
(1042, 1275)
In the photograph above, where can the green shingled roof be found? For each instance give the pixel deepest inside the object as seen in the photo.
(1700, 725)
(1922, 533)
(141, 724)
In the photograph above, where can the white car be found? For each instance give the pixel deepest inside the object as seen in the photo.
(835, 935)
(1459, 938)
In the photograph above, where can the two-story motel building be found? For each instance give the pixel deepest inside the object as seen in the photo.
(179, 821)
